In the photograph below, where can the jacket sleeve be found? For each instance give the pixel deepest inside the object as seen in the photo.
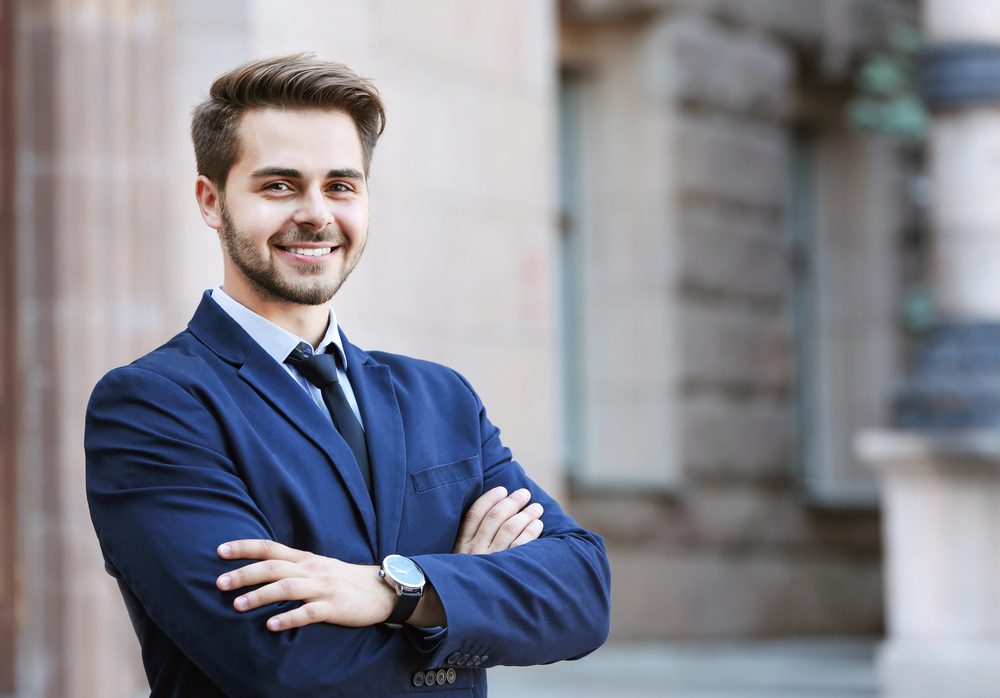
(537, 603)
(163, 495)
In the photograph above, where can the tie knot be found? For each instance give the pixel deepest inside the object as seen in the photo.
(318, 369)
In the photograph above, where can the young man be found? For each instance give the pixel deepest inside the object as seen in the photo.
(289, 515)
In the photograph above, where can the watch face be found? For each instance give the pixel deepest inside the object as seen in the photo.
(404, 571)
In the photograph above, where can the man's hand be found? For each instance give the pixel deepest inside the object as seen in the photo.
(498, 521)
(333, 591)
(353, 595)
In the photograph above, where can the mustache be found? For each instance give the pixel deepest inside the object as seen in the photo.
(330, 236)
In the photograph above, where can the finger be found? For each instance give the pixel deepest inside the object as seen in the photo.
(531, 532)
(305, 614)
(514, 527)
(497, 517)
(258, 550)
(474, 516)
(257, 573)
(287, 589)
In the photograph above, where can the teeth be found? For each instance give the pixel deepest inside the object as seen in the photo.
(310, 251)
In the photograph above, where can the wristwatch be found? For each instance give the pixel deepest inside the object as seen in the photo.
(407, 579)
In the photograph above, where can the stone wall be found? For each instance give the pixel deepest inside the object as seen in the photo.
(738, 546)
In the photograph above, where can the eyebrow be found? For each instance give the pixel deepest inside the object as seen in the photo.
(291, 173)
(345, 173)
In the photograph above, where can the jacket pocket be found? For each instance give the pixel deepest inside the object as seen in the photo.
(441, 475)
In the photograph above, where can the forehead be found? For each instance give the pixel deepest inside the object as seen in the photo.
(299, 138)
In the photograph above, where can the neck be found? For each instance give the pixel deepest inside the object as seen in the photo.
(306, 321)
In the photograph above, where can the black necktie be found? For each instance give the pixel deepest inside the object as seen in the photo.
(321, 371)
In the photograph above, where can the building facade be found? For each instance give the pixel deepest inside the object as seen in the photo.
(740, 258)
(641, 228)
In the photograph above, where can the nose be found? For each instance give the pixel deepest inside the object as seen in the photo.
(314, 210)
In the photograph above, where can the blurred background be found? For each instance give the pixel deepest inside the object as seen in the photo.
(680, 247)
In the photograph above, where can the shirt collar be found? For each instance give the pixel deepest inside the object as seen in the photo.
(276, 341)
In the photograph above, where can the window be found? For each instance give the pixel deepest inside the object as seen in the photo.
(619, 351)
(845, 217)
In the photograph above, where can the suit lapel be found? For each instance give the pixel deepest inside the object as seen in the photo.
(277, 387)
(230, 342)
(372, 385)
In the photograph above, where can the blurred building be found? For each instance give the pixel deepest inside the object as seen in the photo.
(738, 257)
(641, 228)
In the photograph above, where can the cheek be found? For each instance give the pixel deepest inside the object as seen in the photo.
(270, 214)
(252, 216)
(353, 219)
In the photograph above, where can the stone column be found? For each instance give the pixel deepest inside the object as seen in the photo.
(88, 240)
(940, 469)
(8, 370)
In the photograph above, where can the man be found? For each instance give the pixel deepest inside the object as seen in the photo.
(286, 514)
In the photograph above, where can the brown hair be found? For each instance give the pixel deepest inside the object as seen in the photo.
(299, 81)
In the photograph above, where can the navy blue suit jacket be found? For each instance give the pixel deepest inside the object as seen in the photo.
(208, 439)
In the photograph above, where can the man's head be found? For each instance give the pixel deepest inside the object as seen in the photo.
(283, 149)
(299, 81)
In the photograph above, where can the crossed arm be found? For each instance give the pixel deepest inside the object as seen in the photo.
(160, 459)
(353, 595)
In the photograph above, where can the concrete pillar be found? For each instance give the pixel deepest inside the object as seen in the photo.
(965, 169)
(964, 36)
(940, 469)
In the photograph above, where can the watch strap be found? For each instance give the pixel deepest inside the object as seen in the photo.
(406, 604)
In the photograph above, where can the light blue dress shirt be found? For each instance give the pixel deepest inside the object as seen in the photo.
(278, 343)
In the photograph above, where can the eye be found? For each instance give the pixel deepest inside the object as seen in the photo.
(277, 186)
(340, 187)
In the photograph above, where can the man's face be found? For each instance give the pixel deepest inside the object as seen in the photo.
(294, 215)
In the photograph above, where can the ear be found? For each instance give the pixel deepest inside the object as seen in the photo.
(209, 201)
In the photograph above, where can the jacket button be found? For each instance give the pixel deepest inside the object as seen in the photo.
(418, 679)
(453, 657)
(430, 678)
(451, 675)
(464, 659)
(442, 676)
(474, 660)
(482, 660)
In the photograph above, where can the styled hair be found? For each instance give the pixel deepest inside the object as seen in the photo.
(299, 81)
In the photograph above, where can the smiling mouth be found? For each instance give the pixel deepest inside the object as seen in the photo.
(309, 251)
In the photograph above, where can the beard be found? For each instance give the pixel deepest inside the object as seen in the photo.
(270, 281)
